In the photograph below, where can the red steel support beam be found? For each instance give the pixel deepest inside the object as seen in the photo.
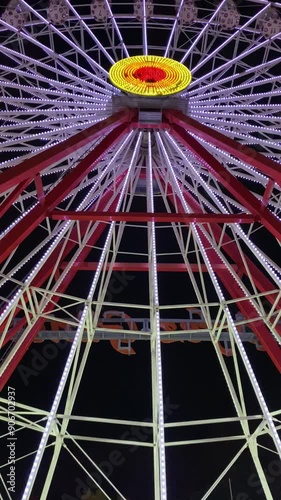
(267, 192)
(13, 196)
(41, 277)
(47, 268)
(233, 185)
(32, 166)
(156, 217)
(243, 153)
(262, 283)
(17, 234)
(39, 188)
(258, 327)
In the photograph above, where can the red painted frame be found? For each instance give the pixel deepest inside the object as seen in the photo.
(29, 168)
(243, 153)
(25, 227)
(156, 217)
(117, 125)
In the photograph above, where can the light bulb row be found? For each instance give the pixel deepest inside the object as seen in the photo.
(45, 135)
(40, 123)
(33, 90)
(243, 354)
(53, 82)
(238, 87)
(231, 78)
(271, 269)
(161, 422)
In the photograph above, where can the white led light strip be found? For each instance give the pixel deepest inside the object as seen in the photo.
(270, 267)
(62, 232)
(155, 334)
(231, 323)
(76, 340)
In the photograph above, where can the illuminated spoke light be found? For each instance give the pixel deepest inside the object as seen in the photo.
(55, 82)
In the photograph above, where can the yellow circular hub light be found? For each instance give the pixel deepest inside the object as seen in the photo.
(150, 76)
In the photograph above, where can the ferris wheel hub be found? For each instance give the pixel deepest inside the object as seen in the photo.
(149, 108)
(150, 76)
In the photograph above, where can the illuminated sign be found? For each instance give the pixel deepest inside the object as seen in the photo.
(119, 320)
(150, 76)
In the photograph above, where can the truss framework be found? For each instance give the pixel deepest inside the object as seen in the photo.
(81, 229)
(202, 191)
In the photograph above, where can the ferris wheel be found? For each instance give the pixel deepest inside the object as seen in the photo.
(140, 138)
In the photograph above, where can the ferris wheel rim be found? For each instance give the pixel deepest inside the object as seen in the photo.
(56, 90)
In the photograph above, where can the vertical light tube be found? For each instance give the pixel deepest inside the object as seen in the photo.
(144, 28)
(156, 361)
(232, 326)
(76, 340)
(174, 28)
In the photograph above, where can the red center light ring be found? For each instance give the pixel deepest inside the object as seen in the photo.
(150, 74)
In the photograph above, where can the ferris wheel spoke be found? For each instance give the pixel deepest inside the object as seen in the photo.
(53, 124)
(61, 132)
(266, 263)
(212, 188)
(31, 68)
(202, 32)
(224, 67)
(98, 93)
(216, 108)
(216, 193)
(195, 173)
(211, 248)
(243, 125)
(248, 140)
(174, 27)
(36, 214)
(56, 153)
(170, 187)
(249, 85)
(116, 27)
(37, 275)
(73, 44)
(28, 76)
(59, 58)
(256, 132)
(257, 70)
(248, 172)
(258, 117)
(90, 32)
(228, 181)
(40, 91)
(229, 39)
(144, 28)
